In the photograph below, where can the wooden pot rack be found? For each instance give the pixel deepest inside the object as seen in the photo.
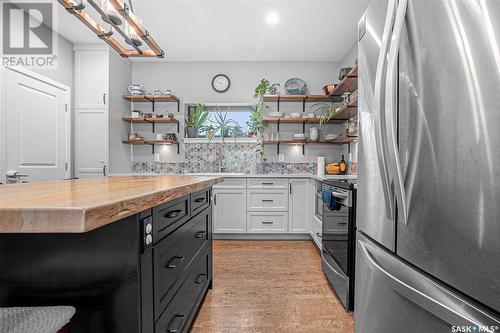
(124, 10)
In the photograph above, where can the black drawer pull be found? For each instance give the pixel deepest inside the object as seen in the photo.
(200, 234)
(267, 222)
(175, 323)
(267, 200)
(199, 200)
(200, 279)
(172, 263)
(173, 213)
(317, 234)
(342, 222)
(267, 183)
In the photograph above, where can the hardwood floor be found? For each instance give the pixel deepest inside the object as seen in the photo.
(270, 286)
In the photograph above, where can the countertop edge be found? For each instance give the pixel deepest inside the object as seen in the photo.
(85, 219)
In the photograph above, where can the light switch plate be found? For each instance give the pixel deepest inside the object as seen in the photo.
(281, 158)
(156, 157)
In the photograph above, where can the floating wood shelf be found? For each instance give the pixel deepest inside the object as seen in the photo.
(298, 98)
(151, 98)
(346, 112)
(300, 143)
(348, 84)
(151, 120)
(346, 138)
(152, 143)
(299, 120)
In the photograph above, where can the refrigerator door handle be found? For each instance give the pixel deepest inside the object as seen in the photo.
(390, 107)
(422, 291)
(379, 124)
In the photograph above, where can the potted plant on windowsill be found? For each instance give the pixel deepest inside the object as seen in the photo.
(196, 120)
(223, 125)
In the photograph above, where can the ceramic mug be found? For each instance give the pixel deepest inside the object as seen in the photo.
(135, 89)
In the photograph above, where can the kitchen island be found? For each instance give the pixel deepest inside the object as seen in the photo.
(131, 253)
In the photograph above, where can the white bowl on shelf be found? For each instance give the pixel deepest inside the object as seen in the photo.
(276, 114)
(330, 137)
(295, 115)
(299, 137)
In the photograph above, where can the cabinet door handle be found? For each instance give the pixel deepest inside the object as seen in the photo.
(215, 199)
(173, 213)
(290, 188)
(200, 278)
(317, 234)
(174, 262)
(267, 222)
(200, 234)
(104, 98)
(199, 200)
(175, 324)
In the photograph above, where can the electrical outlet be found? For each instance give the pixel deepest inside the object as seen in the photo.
(156, 157)
(281, 158)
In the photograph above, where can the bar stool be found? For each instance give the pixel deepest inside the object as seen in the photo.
(43, 319)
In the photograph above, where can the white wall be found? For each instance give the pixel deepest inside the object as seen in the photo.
(191, 81)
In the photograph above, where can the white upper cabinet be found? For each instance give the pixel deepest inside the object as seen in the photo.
(91, 78)
(298, 212)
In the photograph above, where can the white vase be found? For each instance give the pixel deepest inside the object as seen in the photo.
(314, 134)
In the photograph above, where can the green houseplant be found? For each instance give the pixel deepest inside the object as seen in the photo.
(196, 120)
(222, 125)
(327, 111)
(256, 125)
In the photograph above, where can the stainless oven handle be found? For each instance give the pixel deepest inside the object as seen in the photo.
(340, 194)
(342, 275)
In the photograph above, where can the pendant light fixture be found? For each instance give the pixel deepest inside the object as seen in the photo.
(121, 19)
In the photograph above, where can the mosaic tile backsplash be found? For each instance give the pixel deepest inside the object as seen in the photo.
(232, 157)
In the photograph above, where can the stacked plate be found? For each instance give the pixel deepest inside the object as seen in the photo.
(295, 115)
(299, 137)
(330, 137)
(276, 114)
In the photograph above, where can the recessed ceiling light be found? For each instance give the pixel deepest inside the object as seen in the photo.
(272, 18)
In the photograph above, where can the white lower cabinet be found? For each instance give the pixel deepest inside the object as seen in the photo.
(298, 206)
(316, 231)
(267, 222)
(230, 211)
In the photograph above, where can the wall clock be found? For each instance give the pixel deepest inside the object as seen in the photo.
(221, 83)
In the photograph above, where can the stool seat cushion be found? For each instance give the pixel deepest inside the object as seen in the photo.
(44, 319)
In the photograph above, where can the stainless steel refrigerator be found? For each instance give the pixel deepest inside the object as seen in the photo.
(428, 209)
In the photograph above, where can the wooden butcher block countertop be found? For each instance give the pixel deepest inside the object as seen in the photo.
(81, 205)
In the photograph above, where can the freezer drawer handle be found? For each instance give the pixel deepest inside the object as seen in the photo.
(173, 213)
(175, 323)
(199, 200)
(174, 262)
(429, 296)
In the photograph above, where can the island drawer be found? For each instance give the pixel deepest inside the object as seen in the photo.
(268, 183)
(169, 216)
(172, 256)
(180, 312)
(199, 201)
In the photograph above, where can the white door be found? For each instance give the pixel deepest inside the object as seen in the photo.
(298, 206)
(229, 211)
(91, 112)
(37, 128)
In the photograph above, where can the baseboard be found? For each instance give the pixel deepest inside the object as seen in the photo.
(263, 236)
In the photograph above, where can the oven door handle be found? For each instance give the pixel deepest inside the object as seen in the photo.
(341, 274)
(339, 194)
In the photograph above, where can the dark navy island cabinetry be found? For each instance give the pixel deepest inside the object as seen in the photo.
(146, 273)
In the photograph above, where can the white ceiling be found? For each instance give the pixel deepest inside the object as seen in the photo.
(236, 30)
